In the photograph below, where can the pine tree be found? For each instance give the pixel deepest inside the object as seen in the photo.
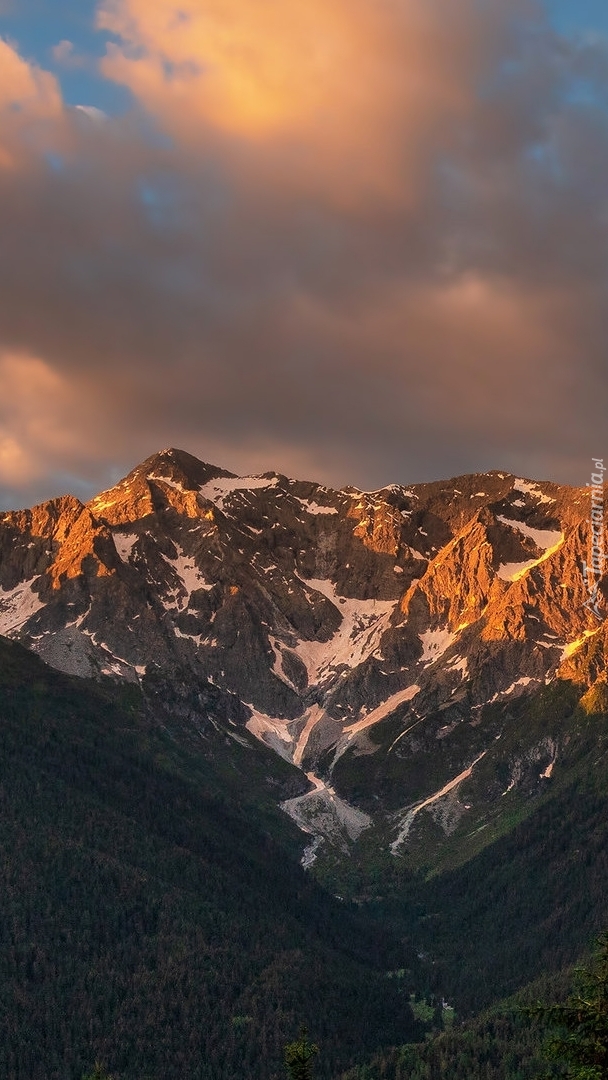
(298, 1057)
(581, 1042)
(99, 1073)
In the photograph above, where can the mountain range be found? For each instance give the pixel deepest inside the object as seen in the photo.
(379, 641)
(413, 676)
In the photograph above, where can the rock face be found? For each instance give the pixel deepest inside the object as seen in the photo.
(335, 625)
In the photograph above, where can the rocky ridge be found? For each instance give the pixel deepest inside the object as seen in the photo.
(361, 635)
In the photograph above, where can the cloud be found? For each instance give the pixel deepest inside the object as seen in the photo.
(24, 87)
(336, 98)
(39, 424)
(29, 100)
(92, 113)
(363, 242)
(63, 52)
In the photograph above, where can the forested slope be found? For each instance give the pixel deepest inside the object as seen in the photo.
(149, 920)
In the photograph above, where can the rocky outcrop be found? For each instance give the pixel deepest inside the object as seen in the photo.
(332, 623)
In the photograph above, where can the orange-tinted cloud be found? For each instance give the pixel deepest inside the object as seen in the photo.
(363, 241)
(28, 97)
(336, 95)
(39, 414)
(66, 55)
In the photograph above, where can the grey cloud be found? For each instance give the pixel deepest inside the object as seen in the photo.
(265, 326)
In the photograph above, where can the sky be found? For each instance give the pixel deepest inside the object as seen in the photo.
(362, 242)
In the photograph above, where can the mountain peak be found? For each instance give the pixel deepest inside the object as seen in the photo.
(179, 467)
(171, 474)
(325, 620)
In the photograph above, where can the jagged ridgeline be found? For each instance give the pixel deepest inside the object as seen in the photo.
(375, 640)
(411, 674)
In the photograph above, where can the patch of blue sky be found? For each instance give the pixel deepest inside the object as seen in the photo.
(37, 27)
(76, 485)
(88, 87)
(574, 17)
(586, 92)
(58, 481)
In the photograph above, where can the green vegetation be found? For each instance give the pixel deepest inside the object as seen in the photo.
(422, 1009)
(496, 1048)
(299, 1057)
(580, 1041)
(99, 1073)
(509, 1042)
(153, 916)
(518, 889)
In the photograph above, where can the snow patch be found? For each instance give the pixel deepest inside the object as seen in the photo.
(191, 579)
(543, 538)
(374, 717)
(219, 490)
(434, 644)
(277, 664)
(511, 571)
(271, 730)
(407, 820)
(79, 621)
(102, 504)
(113, 664)
(166, 480)
(523, 682)
(550, 539)
(316, 508)
(17, 606)
(459, 663)
(124, 542)
(527, 488)
(196, 638)
(362, 626)
(323, 814)
(311, 718)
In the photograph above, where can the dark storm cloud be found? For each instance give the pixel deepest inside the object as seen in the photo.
(411, 287)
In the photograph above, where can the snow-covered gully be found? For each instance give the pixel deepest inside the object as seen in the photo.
(407, 820)
(324, 815)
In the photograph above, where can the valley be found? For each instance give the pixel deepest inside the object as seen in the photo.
(397, 696)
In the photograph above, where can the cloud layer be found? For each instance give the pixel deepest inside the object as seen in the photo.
(364, 243)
